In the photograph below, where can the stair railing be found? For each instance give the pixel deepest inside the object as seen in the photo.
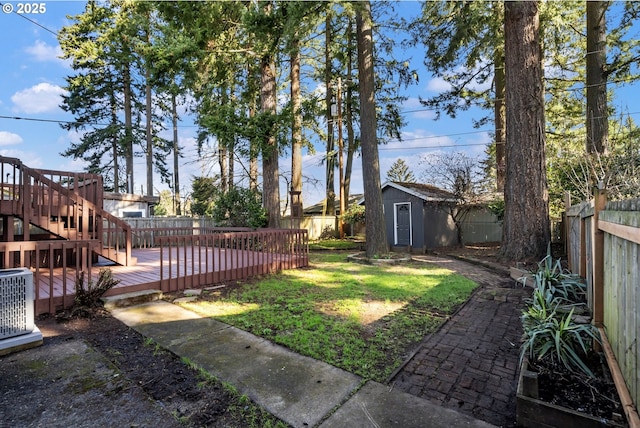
(31, 194)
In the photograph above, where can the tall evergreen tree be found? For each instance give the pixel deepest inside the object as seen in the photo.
(94, 92)
(526, 227)
(400, 171)
(376, 235)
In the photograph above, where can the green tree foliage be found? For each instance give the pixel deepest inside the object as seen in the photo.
(464, 44)
(400, 172)
(239, 207)
(109, 46)
(94, 94)
(203, 195)
(355, 214)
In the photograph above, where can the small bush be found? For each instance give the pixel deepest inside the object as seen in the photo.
(89, 296)
(327, 233)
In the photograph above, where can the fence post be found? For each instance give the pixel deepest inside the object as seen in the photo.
(567, 229)
(600, 200)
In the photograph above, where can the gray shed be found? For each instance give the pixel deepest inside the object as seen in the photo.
(417, 216)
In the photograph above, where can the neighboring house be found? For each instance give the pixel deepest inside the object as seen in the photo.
(320, 225)
(417, 216)
(126, 205)
(318, 209)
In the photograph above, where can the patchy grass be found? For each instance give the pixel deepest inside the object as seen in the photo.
(364, 319)
(334, 244)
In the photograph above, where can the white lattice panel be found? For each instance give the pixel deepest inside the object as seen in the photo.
(16, 302)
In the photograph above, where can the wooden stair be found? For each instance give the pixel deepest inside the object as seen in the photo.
(63, 205)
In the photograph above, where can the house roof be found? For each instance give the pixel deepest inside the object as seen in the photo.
(425, 192)
(319, 207)
(130, 197)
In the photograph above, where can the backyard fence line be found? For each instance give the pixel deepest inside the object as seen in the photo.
(603, 246)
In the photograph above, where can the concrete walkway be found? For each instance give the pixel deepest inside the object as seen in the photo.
(299, 390)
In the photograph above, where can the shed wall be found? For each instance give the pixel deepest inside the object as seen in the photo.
(432, 227)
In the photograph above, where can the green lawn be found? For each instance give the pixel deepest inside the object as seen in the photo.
(334, 244)
(364, 319)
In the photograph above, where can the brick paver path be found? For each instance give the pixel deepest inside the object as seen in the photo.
(471, 363)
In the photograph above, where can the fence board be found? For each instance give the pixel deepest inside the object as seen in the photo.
(620, 222)
(622, 279)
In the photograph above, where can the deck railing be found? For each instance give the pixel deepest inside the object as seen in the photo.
(185, 261)
(192, 261)
(55, 266)
(146, 237)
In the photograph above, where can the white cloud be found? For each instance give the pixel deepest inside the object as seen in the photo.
(438, 85)
(43, 52)
(9, 138)
(41, 98)
(417, 110)
(31, 159)
(73, 136)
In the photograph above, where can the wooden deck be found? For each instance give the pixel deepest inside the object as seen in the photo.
(166, 269)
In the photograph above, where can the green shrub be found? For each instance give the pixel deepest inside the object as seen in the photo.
(355, 214)
(239, 207)
(550, 335)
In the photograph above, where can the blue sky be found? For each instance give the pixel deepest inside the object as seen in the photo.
(32, 76)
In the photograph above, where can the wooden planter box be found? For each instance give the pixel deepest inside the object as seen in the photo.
(518, 274)
(534, 413)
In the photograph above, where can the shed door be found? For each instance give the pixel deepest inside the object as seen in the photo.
(402, 220)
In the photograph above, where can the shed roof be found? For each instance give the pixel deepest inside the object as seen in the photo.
(425, 192)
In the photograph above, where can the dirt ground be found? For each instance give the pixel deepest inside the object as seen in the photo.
(98, 372)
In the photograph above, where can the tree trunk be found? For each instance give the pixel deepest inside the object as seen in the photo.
(296, 125)
(330, 193)
(223, 152)
(222, 163)
(526, 230)
(270, 177)
(128, 128)
(115, 144)
(348, 111)
(597, 115)
(253, 156)
(374, 219)
(176, 156)
(499, 109)
(149, 134)
(231, 161)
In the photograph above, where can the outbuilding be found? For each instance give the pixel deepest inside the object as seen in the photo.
(418, 216)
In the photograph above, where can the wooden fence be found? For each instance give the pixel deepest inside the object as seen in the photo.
(603, 246)
(170, 222)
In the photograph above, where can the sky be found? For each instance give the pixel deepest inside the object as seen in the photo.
(32, 76)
